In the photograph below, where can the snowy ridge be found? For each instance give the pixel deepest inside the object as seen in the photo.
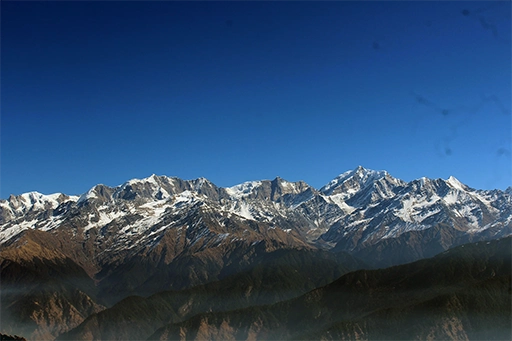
(35, 201)
(30, 203)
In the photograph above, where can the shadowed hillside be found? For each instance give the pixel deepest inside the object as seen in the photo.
(463, 293)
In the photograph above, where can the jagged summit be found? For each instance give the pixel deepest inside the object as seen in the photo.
(455, 183)
(354, 178)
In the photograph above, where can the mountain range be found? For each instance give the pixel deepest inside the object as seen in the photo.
(67, 261)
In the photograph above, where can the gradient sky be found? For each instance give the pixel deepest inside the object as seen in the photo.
(102, 92)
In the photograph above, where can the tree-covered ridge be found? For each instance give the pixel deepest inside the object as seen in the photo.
(5, 337)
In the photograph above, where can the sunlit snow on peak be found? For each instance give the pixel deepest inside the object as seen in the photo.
(90, 194)
(360, 175)
(242, 189)
(453, 182)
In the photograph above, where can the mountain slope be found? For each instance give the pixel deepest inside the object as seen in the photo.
(44, 293)
(276, 276)
(463, 293)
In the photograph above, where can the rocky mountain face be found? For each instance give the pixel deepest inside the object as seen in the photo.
(163, 233)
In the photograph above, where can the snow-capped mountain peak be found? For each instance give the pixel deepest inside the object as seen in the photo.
(153, 187)
(455, 183)
(352, 180)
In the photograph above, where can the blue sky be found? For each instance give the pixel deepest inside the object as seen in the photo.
(102, 92)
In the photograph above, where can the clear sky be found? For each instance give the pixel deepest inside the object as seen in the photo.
(102, 92)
